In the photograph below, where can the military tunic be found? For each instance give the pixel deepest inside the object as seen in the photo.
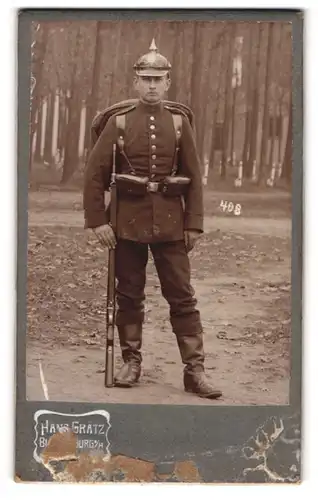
(149, 144)
(154, 220)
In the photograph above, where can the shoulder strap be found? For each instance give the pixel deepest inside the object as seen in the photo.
(177, 123)
(120, 125)
(121, 122)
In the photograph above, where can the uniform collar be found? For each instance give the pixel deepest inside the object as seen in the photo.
(151, 108)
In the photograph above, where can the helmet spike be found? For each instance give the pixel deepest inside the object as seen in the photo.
(153, 45)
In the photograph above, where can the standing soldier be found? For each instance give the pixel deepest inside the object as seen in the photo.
(160, 205)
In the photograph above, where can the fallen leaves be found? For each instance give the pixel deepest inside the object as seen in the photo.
(67, 279)
(61, 282)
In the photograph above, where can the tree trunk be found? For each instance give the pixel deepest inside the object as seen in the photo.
(130, 40)
(206, 91)
(176, 62)
(287, 163)
(39, 48)
(195, 86)
(72, 137)
(72, 128)
(61, 136)
(233, 113)
(91, 105)
(38, 130)
(158, 33)
(264, 143)
(273, 106)
(115, 77)
(49, 129)
(227, 99)
(273, 126)
(255, 105)
(217, 104)
(272, 136)
(249, 106)
(281, 98)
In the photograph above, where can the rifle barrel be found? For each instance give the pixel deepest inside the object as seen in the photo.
(111, 292)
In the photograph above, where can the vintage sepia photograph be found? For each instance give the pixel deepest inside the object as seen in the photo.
(159, 237)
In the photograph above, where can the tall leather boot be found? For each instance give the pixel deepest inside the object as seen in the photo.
(192, 355)
(130, 337)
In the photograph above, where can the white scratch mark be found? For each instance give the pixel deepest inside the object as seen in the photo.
(44, 386)
(263, 442)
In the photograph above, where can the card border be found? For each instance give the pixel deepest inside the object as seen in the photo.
(213, 438)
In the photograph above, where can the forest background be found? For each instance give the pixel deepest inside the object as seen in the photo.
(236, 77)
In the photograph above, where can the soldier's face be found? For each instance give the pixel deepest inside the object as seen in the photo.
(151, 89)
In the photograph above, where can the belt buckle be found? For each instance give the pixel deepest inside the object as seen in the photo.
(153, 187)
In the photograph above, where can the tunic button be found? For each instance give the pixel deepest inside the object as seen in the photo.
(153, 167)
(152, 118)
(153, 136)
(153, 147)
(153, 157)
(152, 127)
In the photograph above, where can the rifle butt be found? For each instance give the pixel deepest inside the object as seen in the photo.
(109, 366)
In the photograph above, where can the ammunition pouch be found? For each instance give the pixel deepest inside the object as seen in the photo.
(175, 185)
(133, 185)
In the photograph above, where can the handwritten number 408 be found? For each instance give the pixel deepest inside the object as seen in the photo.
(230, 207)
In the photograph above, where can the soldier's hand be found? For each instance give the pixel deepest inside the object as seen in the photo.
(105, 236)
(190, 238)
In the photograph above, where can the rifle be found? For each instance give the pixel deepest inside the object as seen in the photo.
(111, 291)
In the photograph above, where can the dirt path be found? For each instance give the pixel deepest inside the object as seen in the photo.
(241, 274)
(276, 227)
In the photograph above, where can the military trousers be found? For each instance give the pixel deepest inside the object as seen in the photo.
(173, 267)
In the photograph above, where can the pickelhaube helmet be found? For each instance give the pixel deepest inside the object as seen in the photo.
(152, 63)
